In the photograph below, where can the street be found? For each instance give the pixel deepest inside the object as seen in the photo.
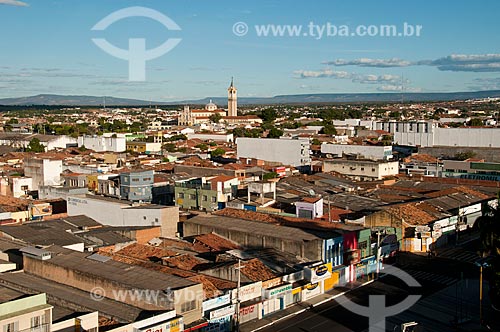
(449, 302)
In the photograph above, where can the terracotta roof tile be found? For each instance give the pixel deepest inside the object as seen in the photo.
(215, 242)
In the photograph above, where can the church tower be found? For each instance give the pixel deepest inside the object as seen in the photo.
(232, 100)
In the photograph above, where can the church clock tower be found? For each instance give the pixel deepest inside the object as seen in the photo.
(232, 100)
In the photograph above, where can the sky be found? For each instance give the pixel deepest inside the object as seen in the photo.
(48, 47)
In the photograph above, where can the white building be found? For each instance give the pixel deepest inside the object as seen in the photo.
(212, 137)
(20, 185)
(362, 169)
(103, 143)
(429, 134)
(44, 172)
(113, 212)
(293, 152)
(50, 142)
(363, 151)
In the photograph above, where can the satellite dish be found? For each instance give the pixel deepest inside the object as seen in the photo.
(311, 192)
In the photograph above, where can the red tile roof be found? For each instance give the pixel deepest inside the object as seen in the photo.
(215, 242)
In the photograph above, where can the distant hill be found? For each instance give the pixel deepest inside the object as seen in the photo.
(48, 99)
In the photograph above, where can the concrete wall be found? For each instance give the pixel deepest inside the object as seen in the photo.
(362, 169)
(286, 151)
(488, 154)
(212, 137)
(88, 281)
(311, 250)
(368, 152)
(44, 172)
(101, 143)
(117, 214)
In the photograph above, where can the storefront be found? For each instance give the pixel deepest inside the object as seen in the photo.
(219, 312)
(249, 312)
(220, 320)
(311, 290)
(276, 299)
(173, 325)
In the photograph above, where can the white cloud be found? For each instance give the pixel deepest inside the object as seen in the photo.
(322, 73)
(454, 62)
(13, 3)
(366, 62)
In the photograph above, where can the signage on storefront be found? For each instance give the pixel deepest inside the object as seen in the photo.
(278, 291)
(222, 312)
(317, 273)
(216, 302)
(352, 257)
(248, 292)
(175, 325)
(420, 229)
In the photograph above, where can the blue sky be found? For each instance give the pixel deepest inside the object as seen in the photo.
(47, 48)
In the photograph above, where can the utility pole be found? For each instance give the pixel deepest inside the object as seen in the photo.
(329, 210)
(237, 311)
(378, 253)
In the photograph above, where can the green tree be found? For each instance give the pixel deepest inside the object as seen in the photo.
(35, 146)
(169, 147)
(315, 141)
(275, 133)
(329, 129)
(268, 115)
(465, 155)
(476, 122)
(217, 152)
(202, 146)
(270, 175)
(215, 118)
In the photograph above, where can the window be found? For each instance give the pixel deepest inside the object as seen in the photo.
(11, 327)
(363, 245)
(146, 179)
(24, 187)
(192, 196)
(188, 306)
(205, 198)
(213, 199)
(181, 195)
(135, 180)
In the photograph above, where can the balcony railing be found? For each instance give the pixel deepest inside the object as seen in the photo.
(39, 328)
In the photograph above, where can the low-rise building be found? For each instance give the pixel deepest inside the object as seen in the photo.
(293, 152)
(115, 212)
(144, 147)
(362, 169)
(103, 143)
(43, 171)
(362, 151)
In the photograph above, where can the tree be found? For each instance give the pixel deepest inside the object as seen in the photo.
(328, 129)
(35, 146)
(217, 152)
(476, 122)
(269, 115)
(275, 133)
(169, 147)
(270, 175)
(201, 146)
(315, 141)
(465, 155)
(215, 118)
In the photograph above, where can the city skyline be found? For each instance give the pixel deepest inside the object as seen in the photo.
(454, 51)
